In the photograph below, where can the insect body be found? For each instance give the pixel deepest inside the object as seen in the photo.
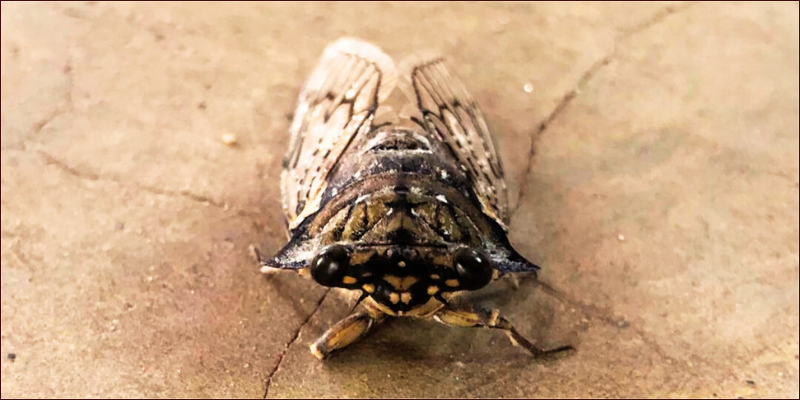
(394, 193)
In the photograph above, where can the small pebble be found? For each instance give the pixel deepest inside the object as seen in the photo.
(12, 356)
(751, 383)
(621, 237)
(528, 88)
(229, 139)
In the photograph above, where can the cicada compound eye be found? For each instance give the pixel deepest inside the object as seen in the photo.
(330, 265)
(473, 268)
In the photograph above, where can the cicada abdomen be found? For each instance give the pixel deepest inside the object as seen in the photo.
(393, 189)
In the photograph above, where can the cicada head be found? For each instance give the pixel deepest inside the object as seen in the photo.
(402, 246)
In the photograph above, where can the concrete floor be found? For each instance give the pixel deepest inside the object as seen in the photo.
(662, 200)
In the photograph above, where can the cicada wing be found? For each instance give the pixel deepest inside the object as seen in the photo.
(450, 113)
(338, 101)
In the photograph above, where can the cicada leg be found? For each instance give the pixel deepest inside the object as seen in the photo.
(345, 332)
(472, 318)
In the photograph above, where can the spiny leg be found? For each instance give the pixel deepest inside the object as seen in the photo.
(472, 318)
(344, 333)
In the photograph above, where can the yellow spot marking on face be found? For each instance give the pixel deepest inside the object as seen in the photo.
(451, 282)
(407, 282)
(405, 297)
(361, 256)
(369, 288)
(394, 298)
(435, 276)
(349, 280)
(401, 264)
(303, 272)
(495, 274)
(432, 290)
(395, 281)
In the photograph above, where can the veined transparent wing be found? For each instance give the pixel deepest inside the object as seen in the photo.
(337, 103)
(449, 112)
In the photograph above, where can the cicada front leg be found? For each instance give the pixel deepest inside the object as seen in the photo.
(345, 333)
(464, 316)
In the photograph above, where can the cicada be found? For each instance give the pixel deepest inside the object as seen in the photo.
(394, 194)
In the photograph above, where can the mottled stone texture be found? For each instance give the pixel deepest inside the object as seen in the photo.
(661, 200)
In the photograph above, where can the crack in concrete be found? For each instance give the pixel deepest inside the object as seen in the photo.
(294, 338)
(590, 310)
(69, 98)
(582, 81)
(186, 194)
(57, 112)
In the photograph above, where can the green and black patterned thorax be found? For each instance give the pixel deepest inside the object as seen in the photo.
(392, 186)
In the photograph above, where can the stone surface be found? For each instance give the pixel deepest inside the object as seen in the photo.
(661, 199)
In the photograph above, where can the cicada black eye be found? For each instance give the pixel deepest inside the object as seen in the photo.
(473, 268)
(329, 266)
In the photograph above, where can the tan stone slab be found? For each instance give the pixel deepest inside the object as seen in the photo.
(662, 200)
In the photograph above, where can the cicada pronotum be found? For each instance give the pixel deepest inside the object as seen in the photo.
(394, 194)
